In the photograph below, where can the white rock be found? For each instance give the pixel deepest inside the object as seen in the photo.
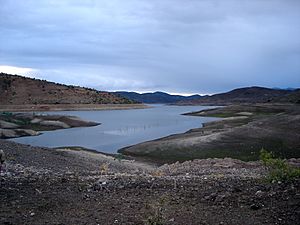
(36, 120)
(54, 123)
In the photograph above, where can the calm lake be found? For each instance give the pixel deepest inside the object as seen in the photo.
(121, 128)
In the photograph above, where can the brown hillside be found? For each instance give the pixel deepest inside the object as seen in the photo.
(18, 90)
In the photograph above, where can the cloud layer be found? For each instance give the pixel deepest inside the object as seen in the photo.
(187, 46)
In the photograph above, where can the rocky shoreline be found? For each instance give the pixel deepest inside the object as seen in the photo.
(14, 125)
(42, 186)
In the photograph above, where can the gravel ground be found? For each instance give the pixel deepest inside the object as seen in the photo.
(48, 186)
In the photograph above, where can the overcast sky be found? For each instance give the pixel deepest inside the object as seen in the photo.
(178, 46)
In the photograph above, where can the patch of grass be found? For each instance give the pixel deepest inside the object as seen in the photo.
(119, 157)
(22, 122)
(279, 169)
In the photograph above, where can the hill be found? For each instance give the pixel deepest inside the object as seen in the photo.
(293, 97)
(19, 90)
(246, 95)
(155, 97)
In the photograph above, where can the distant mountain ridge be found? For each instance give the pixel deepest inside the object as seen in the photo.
(19, 90)
(155, 97)
(247, 95)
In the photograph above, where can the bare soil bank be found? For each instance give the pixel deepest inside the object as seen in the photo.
(48, 186)
(242, 132)
(69, 107)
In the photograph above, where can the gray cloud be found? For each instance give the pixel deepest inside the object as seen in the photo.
(171, 45)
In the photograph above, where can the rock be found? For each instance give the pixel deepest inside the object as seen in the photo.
(8, 125)
(7, 133)
(36, 120)
(54, 123)
(13, 133)
(220, 198)
(27, 132)
(259, 193)
(244, 114)
(255, 206)
(101, 184)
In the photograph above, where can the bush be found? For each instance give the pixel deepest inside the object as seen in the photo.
(279, 169)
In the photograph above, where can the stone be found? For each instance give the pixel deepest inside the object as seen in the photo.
(7, 133)
(54, 123)
(36, 120)
(255, 206)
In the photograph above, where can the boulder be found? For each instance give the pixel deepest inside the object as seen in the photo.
(27, 132)
(36, 120)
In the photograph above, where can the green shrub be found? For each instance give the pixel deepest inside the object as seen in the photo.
(119, 157)
(279, 169)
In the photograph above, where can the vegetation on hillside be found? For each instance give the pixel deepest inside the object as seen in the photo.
(278, 169)
(18, 90)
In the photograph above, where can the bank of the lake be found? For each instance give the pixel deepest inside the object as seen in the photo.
(241, 132)
(14, 125)
(120, 128)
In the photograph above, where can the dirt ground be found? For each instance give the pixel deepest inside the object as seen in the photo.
(48, 186)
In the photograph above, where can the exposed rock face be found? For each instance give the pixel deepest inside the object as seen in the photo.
(36, 120)
(29, 124)
(13, 133)
(54, 123)
(7, 133)
(27, 132)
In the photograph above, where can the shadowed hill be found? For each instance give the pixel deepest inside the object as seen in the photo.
(293, 97)
(18, 90)
(156, 97)
(246, 95)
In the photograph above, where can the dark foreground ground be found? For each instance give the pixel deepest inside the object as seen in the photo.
(47, 186)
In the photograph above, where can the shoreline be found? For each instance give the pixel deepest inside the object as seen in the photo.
(13, 125)
(240, 133)
(70, 107)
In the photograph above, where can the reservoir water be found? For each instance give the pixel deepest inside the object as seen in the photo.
(121, 128)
